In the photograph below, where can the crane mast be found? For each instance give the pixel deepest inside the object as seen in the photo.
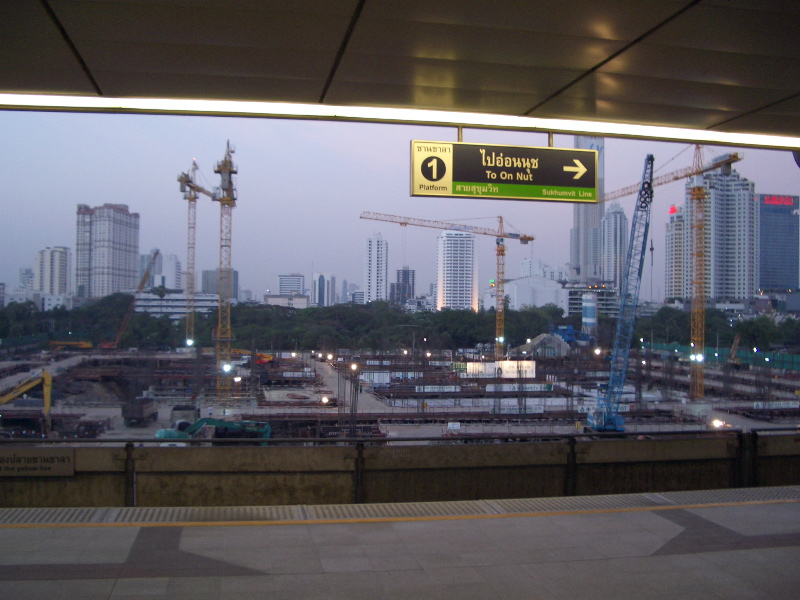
(190, 195)
(698, 326)
(226, 197)
(500, 236)
(607, 417)
(500, 294)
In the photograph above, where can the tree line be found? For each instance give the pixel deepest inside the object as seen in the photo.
(378, 325)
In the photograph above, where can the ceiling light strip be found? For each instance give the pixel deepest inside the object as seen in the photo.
(390, 115)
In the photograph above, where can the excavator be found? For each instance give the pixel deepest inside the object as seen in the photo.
(40, 377)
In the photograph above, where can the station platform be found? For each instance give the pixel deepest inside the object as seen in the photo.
(740, 543)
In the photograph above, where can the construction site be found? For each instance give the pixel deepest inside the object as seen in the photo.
(499, 392)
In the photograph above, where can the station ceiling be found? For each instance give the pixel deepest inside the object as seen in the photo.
(721, 65)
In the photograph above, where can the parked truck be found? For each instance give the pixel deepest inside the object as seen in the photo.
(139, 411)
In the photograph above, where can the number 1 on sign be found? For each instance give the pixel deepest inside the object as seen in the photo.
(432, 163)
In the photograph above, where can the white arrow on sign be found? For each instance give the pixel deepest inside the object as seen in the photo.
(578, 169)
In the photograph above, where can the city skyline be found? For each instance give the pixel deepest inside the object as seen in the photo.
(302, 185)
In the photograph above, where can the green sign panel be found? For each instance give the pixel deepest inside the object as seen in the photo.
(510, 172)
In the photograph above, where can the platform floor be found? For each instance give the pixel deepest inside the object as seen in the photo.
(681, 545)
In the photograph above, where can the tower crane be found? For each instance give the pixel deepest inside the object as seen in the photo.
(607, 417)
(190, 195)
(129, 313)
(698, 323)
(695, 169)
(500, 234)
(225, 194)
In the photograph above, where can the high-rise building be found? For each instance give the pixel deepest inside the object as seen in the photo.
(106, 250)
(780, 242)
(26, 279)
(52, 271)
(402, 290)
(376, 269)
(585, 236)
(614, 245)
(291, 283)
(210, 283)
(731, 232)
(676, 246)
(457, 272)
(344, 298)
(171, 272)
(323, 290)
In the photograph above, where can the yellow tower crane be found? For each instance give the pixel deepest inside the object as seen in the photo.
(225, 194)
(190, 195)
(500, 234)
(226, 197)
(699, 197)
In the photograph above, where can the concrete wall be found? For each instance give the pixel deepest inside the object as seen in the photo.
(227, 476)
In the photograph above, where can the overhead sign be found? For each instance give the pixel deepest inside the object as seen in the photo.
(510, 172)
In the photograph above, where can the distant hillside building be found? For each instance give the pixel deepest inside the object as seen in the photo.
(106, 250)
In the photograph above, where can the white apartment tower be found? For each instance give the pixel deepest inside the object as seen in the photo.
(585, 235)
(106, 250)
(376, 269)
(676, 246)
(731, 233)
(52, 271)
(457, 272)
(614, 244)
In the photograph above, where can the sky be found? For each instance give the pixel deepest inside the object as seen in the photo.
(301, 188)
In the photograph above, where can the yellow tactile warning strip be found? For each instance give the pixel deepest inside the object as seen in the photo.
(360, 513)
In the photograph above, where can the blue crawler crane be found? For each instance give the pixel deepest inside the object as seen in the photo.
(607, 417)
